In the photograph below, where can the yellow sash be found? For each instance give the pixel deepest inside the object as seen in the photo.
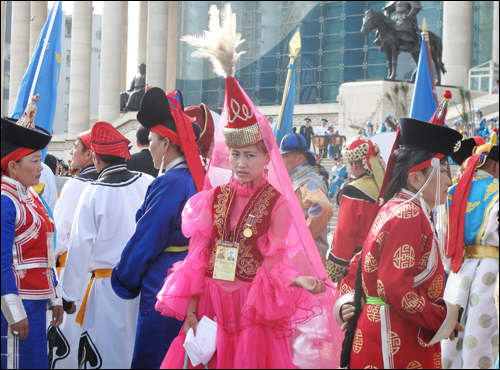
(62, 263)
(176, 249)
(480, 251)
(98, 274)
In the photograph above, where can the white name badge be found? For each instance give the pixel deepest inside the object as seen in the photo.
(226, 259)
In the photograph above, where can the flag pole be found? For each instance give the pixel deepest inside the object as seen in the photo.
(45, 47)
(425, 38)
(294, 46)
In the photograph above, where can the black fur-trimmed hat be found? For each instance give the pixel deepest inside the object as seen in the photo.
(19, 136)
(429, 136)
(467, 149)
(155, 110)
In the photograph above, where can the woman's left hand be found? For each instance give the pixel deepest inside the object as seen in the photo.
(310, 283)
(57, 316)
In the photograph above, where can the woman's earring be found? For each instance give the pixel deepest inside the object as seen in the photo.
(266, 173)
(232, 175)
(161, 165)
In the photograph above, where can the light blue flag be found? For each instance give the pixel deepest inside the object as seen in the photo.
(287, 121)
(42, 74)
(423, 105)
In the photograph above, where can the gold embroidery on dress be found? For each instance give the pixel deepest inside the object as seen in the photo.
(246, 262)
(492, 189)
(471, 206)
(221, 207)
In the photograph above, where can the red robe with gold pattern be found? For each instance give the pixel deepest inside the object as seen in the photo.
(401, 268)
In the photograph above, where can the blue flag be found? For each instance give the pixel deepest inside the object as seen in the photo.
(423, 105)
(42, 74)
(287, 120)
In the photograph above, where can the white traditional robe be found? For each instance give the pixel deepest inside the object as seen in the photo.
(473, 287)
(64, 347)
(103, 223)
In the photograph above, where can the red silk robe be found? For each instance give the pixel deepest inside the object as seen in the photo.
(401, 267)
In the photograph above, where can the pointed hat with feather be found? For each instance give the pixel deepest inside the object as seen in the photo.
(218, 45)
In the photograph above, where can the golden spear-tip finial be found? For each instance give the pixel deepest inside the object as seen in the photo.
(295, 44)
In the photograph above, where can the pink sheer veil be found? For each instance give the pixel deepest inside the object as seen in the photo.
(317, 343)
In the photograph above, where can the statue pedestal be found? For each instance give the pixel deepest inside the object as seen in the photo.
(365, 101)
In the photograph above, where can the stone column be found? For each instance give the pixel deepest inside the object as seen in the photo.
(495, 33)
(156, 60)
(173, 10)
(457, 35)
(123, 82)
(19, 48)
(2, 25)
(38, 18)
(81, 49)
(111, 55)
(143, 32)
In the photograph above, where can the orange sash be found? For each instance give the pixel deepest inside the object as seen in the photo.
(98, 274)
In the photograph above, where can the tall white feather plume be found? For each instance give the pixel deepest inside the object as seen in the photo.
(219, 43)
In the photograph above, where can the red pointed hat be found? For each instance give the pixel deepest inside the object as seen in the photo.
(242, 128)
(204, 119)
(86, 138)
(107, 140)
(440, 114)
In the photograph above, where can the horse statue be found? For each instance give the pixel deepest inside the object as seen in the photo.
(390, 44)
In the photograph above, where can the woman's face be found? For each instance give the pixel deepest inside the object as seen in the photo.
(157, 146)
(29, 169)
(432, 195)
(248, 163)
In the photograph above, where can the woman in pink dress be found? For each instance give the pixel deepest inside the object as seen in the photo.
(271, 305)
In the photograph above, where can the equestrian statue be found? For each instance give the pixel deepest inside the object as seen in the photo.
(397, 32)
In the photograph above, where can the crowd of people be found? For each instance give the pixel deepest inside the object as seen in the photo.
(217, 255)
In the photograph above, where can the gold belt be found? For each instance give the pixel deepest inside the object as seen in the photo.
(480, 251)
(98, 274)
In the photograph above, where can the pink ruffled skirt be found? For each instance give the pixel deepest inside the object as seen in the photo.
(241, 342)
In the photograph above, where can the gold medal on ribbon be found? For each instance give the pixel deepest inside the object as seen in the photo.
(248, 227)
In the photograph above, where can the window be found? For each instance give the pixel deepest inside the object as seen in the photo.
(66, 111)
(68, 58)
(7, 51)
(6, 79)
(67, 29)
(333, 49)
(67, 85)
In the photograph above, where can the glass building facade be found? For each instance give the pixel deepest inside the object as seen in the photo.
(482, 32)
(333, 49)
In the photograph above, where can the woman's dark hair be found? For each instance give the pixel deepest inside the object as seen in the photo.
(345, 357)
(261, 146)
(404, 158)
(51, 161)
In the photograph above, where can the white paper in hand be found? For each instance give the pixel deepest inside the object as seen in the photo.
(201, 348)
